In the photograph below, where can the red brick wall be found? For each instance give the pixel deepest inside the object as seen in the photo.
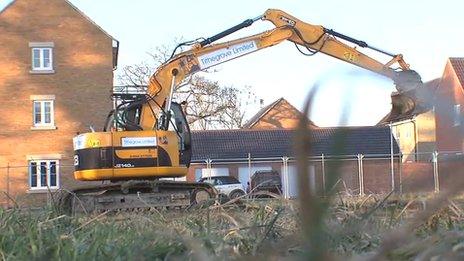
(418, 177)
(451, 173)
(377, 175)
(82, 82)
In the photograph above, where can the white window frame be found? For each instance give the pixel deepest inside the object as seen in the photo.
(457, 115)
(38, 174)
(42, 122)
(41, 58)
(41, 47)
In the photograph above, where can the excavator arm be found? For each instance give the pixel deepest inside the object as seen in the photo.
(313, 38)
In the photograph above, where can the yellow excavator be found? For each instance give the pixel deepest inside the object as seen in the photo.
(147, 139)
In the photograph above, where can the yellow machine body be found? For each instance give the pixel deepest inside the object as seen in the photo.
(124, 155)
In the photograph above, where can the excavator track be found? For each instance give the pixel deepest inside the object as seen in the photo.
(138, 196)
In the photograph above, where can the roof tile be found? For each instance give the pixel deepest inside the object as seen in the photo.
(458, 66)
(272, 143)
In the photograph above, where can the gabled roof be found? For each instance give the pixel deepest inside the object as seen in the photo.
(458, 65)
(73, 7)
(8, 5)
(236, 144)
(263, 112)
(424, 102)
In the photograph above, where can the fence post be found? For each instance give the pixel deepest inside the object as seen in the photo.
(361, 175)
(436, 180)
(8, 185)
(249, 169)
(392, 163)
(285, 177)
(400, 171)
(208, 167)
(323, 173)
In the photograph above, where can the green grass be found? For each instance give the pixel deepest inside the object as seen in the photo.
(212, 232)
(252, 230)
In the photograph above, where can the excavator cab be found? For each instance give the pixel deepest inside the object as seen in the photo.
(125, 118)
(178, 123)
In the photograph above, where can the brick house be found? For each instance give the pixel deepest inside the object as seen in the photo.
(278, 114)
(56, 76)
(449, 102)
(414, 130)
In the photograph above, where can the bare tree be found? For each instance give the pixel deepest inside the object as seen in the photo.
(208, 104)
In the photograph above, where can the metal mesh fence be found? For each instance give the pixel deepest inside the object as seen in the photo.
(353, 174)
(33, 183)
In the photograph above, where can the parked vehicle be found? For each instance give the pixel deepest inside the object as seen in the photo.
(265, 182)
(226, 186)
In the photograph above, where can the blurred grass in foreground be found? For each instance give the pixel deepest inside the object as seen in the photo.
(255, 229)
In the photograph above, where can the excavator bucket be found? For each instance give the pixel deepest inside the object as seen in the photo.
(411, 98)
(408, 80)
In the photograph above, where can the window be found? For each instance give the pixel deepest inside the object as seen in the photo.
(44, 174)
(408, 134)
(42, 59)
(457, 115)
(229, 180)
(43, 113)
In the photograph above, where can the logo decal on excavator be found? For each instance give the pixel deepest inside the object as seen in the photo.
(94, 143)
(163, 140)
(124, 165)
(138, 141)
(79, 142)
(288, 20)
(226, 54)
(190, 64)
(350, 57)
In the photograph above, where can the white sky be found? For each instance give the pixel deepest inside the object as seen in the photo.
(425, 32)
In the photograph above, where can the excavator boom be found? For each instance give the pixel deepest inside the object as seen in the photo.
(312, 38)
